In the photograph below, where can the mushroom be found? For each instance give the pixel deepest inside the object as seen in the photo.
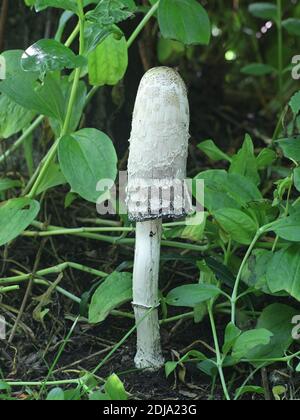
(156, 189)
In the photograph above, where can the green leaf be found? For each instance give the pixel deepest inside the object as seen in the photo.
(112, 293)
(265, 159)
(79, 104)
(15, 216)
(241, 227)
(223, 190)
(288, 228)
(254, 274)
(169, 51)
(250, 340)
(170, 367)
(290, 147)
(108, 63)
(297, 178)
(232, 333)
(7, 183)
(53, 178)
(61, 4)
(295, 103)
(13, 117)
(87, 157)
(110, 12)
(284, 271)
(191, 295)
(264, 10)
(292, 25)
(56, 394)
(244, 162)
(250, 389)
(26, 90)
(193, 230)
(50, 55)
(185, 21)
(114, 388)
(212, 151)
(276, 318)
(258, 69)
(221, 272)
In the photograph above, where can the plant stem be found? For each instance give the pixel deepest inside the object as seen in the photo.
(54, 270)
(238, 278)
(110, 239)
(8, 289)
(218, 352)
(143, 23)
(23, 137)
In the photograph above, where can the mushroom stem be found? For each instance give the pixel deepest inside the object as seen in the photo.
(145, 294)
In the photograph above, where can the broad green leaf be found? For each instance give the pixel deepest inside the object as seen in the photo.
(7, 183)
(61, 4)
(244, 162)
(53, 178)
(250, 340)
(292, 25)
(276, 318)
(15, 216)
(264, 10)
(297, 178)
(222, 273)
(223, 190)
(288, 228)
(265, 158)
(115, 389)
(185, 21)
(284, 271)
(50, 55)
(112, 293)
(87, 157)
(169, 51)
(25, 89)
(250, 389)
(107, 64)
(295, 103)
(254, 274)
(241, 227)
(56, 394)
(191, 295)
(262, 211)
(290, 147)
(212, 151)
(193, 230)
(13, 117)
(258, 69)
(110, 12)
(232, 333)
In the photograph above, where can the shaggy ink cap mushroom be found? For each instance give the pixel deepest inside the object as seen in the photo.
(159, 148)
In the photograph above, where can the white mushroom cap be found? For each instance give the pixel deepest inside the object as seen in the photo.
(159, 148)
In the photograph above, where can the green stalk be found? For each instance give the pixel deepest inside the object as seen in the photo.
(90, 233)
(143, 23)
(54, 270)
(234, 296)
(218, 352)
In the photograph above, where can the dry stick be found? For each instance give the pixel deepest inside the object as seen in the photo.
(28, 291)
